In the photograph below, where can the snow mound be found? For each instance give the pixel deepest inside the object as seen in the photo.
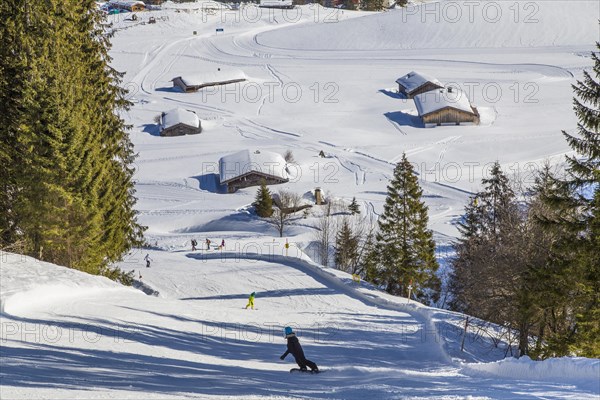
(451, 24)
(572, 369)
(29, 284)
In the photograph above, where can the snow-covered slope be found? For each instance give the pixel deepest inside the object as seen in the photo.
(321, 80)
(197, 340)
(450, 24)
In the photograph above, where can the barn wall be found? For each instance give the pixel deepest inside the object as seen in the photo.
(428, 87)
(180, 130)
(252, 179)
(450, 116)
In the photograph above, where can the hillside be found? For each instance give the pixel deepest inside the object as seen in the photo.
(451, 25)
(195, 339)
(319, 80)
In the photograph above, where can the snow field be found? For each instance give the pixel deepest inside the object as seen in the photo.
(320, 79)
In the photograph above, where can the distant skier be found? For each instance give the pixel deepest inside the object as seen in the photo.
(148, 259)
(223, 243)
(251, 301)
(194, 244)
(293, 347)
(207, 244)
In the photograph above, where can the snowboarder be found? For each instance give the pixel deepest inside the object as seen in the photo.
(148, 259)
(207, 244)
(251, 301)
(194, 243)
(293, 347)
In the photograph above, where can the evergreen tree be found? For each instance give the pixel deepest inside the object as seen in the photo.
(371, 5)
(349, 4)
(586, 104)
(578, 253)
(354, 208)
(407, 249)
(346, 247)
(71, 198)
(497, 202)
(263, 202)
(370, 261)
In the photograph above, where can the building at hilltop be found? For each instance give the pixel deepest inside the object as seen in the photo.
(248, 168)
(449, 105)
(132, 6)
(415, 83)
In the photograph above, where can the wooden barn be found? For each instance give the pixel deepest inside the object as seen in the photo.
(179, 122)
(193, 83)
(446, 106)
(248, 168)
(132, 6)
(415, 83)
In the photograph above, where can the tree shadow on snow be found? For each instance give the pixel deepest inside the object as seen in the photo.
(270, 294)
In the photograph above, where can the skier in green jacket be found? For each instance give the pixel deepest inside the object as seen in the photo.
(251, 301)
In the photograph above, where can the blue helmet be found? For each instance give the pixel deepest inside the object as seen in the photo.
(288, 331)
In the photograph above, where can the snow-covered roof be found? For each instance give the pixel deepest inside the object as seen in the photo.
(245, 161)
(180, 116)
(198, 5)
(211, 78)
(436, 100)
(126, 3)
(414, 80)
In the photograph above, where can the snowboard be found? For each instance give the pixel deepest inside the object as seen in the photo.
(305, 371)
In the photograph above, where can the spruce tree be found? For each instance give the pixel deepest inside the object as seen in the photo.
(354, 208)
(346, 247)
(74, 181)
(586, 104)
(488, 271)
(579, 253)
(407, 249)
(584, 176)
(369, 261)
(263, 202)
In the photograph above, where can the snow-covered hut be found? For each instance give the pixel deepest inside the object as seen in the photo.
(248, 168)
(192, 83)
(449, 105)
(276, 4)
(178, 122)
(415, 83)
(132, 6)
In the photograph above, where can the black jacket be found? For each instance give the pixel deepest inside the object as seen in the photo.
(293, 347)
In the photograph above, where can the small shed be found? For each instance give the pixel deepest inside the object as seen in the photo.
(132, 6)
(193, 83)
(276, 4)
(248, 168)
(415, 83)
(179, 122)
(449, 105)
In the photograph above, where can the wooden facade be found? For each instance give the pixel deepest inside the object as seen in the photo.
(180, 130)
(251, 178)
(427, 87)
(450, 115)
(133, 6)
